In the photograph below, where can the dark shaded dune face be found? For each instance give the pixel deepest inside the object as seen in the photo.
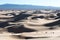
(19, 29)
(3, 24)
(24, 37)
(20, 17)
(38, 17)
(58, 16)
(51, 25)
(17, 36)
(51, 28)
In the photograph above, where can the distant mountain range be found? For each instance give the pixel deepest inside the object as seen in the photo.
(25, 7)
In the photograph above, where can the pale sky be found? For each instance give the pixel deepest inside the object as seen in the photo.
(33, 2)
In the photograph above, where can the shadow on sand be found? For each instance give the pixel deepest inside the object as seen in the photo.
(51, 25)
(20, 17)
(19, 29)
(23, 37)
(3, 24)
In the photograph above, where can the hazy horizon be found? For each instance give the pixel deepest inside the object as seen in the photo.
(54, 3)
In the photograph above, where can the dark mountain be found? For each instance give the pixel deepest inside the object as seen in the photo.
(19, 7)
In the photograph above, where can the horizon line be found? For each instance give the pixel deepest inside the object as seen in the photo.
(27, 4)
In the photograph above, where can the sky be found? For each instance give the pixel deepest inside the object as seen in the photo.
(55, 3)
